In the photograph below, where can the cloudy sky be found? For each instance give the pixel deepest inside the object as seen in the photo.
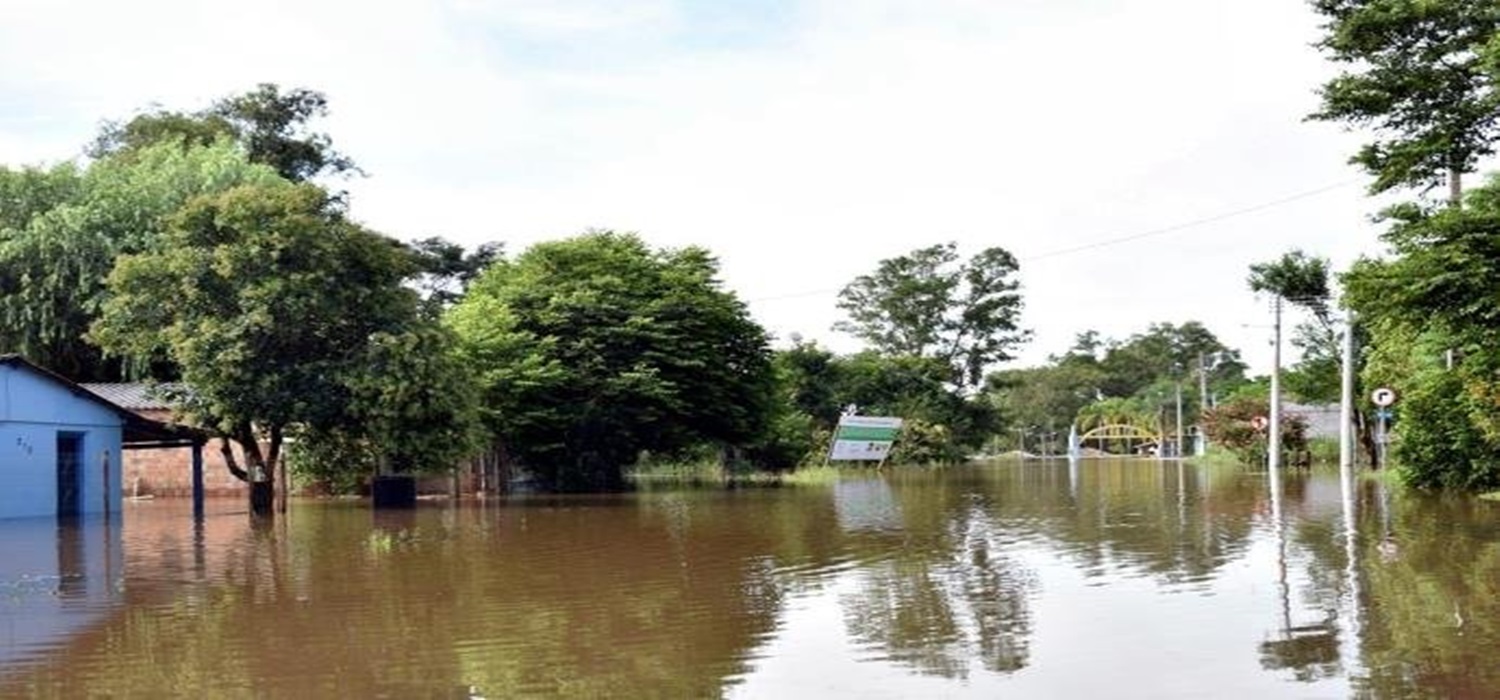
(800, 140)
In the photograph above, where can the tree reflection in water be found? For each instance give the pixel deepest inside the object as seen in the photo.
(944, 605)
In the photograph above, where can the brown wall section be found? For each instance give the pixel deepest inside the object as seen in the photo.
(169, 472)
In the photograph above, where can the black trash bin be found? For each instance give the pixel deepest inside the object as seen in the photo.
(394, 491)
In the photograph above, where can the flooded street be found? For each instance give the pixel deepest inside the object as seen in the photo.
(1106, 579)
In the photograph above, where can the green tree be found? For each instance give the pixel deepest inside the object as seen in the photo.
(267, 299)
(1164, 351)
(61, 240)
(1298, 278)
(1435, 324)
(272, 126)
(1049, 397)
(814, 381)
(446, 269)
(28, 192)
(1422, 74)
(413, 408)
(928, 303)
(598, 347)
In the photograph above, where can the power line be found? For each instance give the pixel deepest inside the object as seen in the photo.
(1122, 239)
(1196, 222)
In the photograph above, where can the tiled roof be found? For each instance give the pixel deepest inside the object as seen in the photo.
(135, 396)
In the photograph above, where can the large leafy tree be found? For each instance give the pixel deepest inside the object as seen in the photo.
(267, 299)
(66, 229)
(272, 125)
(1167, 351)
(1435, 322)
(1423, 75)
(598, 347)
(930, 303)
(1047, 398)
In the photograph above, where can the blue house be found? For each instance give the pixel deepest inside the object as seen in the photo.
(60, 444)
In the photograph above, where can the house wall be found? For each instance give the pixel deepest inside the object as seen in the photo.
(169, 471)
(33, 411)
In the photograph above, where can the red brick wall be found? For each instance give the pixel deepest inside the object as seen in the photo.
(169, 472)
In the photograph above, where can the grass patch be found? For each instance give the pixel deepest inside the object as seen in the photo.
(820, 475)
(1217, 457)
(677, 474)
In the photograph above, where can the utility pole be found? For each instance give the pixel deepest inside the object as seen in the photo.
(1203, 381)
(1179, 451)
(1346, 399)
(1202, 400)
(1274, 449)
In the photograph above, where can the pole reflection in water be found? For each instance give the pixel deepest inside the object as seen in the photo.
(1073, 460)
(1354, 603)
(1309, 649)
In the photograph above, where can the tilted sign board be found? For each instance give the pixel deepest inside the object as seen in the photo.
(864, 438)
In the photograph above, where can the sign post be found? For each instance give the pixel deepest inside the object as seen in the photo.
(863, 438)
(1383, 398)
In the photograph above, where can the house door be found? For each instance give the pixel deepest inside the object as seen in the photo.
(69, 473)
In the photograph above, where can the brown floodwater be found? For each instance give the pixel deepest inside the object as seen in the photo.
(1103, 579)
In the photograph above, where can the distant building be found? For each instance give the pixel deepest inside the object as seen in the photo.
(1322, 420)
(61, 445)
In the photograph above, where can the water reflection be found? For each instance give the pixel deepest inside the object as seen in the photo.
(1049, 579)
(57, 580)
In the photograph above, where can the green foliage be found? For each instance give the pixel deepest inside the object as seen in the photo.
(923, 443)
(331, 461)
(816, 385)
(1423, 75)
(269, 124)
(1167, 350)
(413, 408)
(121, 140)
(267, 299)
(1446, 434)
(415, 399)
(1296, 277)
(1434, 300)
(929, 304)
(446, 269)
(1443, 270)
(28, 192)
(596, 348)
(1229, 424)
(1048, 397)
(812, 381)
(1133, 411)
(1130, 382)
(52, 268)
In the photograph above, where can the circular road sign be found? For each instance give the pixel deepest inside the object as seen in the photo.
(1383, 397)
